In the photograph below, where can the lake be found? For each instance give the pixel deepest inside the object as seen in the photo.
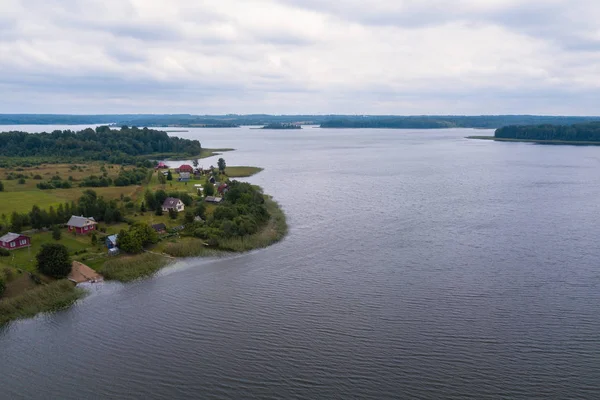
(419, 264)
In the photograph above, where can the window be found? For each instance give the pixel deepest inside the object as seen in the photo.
(12, 244)
(23, 242)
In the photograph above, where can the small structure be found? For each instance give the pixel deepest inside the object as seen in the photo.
(223, 188)
(184, 176)
(172, 203)
(82, 273)
(213, 199)
(111, 241)
(198, 218)
(13, 241)
(212, 179)
(185, 168)
(165, 173)
(81, 224)
(114, 251)
(160, 228)
(161, 165)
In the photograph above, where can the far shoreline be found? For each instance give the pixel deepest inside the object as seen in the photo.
(548, 142)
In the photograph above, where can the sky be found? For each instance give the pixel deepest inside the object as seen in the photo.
(401, 57)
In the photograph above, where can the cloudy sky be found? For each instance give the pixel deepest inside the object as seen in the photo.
(300, 56)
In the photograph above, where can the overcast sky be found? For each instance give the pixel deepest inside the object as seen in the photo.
(300, 56)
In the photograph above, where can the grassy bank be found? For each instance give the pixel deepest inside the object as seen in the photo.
(561, 142)
(51, 297)
(130, 268)
(241, 172)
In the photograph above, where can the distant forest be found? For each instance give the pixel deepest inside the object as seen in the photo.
(586, 132)
(100, 144)
(325, 121)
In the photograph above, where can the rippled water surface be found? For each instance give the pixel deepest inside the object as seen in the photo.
(419, 264)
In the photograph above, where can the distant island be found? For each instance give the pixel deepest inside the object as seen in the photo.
(576, 134)
(325, 121)
(98, 204)
(279, 125)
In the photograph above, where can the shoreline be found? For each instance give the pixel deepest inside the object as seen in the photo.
(548, 142)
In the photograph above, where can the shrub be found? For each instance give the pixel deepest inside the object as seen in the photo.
(4, 253)
(2, 286)
(56, 232)
(21, 181)
(53, 260)
(172, 213)
(37, 177)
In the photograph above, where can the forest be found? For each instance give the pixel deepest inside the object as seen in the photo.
(102, 143)
(586, 132)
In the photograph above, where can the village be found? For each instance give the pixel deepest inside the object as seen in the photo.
(187, 196)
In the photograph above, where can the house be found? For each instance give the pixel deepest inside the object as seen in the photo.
(111, 241)
(185, 168)
(81, 224)
(161, 165)
(13, 241)
(172, 203)
(223, 188)
(159, 228)
(184, 176)
(213, 199)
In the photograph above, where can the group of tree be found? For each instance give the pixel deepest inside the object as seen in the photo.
(136, 238)
(117, 146)
(587, 132)
(89, 205)
(54, 260)
(242, 213)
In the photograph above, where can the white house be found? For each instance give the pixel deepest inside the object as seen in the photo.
(172, 203)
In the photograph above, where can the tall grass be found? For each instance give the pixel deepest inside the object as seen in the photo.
(129, 268)
(51, 297)
(190, 247)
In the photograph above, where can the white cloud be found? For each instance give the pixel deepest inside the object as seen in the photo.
(298, 56)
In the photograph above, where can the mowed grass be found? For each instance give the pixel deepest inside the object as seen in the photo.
(44, 298)
(25, 258)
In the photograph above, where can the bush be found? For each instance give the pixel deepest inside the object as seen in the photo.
(4, 252)
(2, 286)
(56, 232)
(1, 186)
(21, 181)
(172, 213)
(37, 177)
(158, 211)
(53, 260)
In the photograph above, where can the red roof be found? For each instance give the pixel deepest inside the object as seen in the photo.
(186, 167)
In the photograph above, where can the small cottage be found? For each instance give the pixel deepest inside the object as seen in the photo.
(161, 165)
(13, 241)
(185, 168)
(213, 199)
(159, 228)
(111, 241)
(223, 188)
(184, 176)
(172, 203)
(81, 225)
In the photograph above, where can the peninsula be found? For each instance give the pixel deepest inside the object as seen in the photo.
(584, 134)
(98, 199)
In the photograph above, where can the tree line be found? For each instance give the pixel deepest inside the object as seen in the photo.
(587, 132)
(102, 143)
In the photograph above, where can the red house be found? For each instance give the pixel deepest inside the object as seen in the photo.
(161, 165)
(12, 241)
(186, 168)
(81, 224)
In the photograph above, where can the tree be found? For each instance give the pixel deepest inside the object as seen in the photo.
(160, 196)
(162, 179)
(1, 186)
(53, 260)
(209, 189)
(222, 165)
(94, 239)
(172, 213)
(195, 162)
(56, 232)
(143, 207)
(201, 210)
(158, 211)
(129, 243)
(169, 176)
(150, 200)
(189, 217)
(21, 181)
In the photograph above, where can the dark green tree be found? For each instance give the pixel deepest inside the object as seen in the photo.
(169, 176)
(56, 232)
(189, 217)
(1, 186)
(159, 211)
(94, 239)
(129, 243)
(53, 260)
(150, 200)
(172, 213)
(222, 165)
(209, 189)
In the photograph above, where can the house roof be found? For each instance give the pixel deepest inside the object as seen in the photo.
(171, 202)
(213, 199)
(80, 222)
(185, 166)
(9, 237)
(113, 238)
(159, 227)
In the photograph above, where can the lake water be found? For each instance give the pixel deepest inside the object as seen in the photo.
(419, 264)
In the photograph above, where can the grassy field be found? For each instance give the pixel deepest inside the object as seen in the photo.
(129, 268)
(562, 142)
(44, 298)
